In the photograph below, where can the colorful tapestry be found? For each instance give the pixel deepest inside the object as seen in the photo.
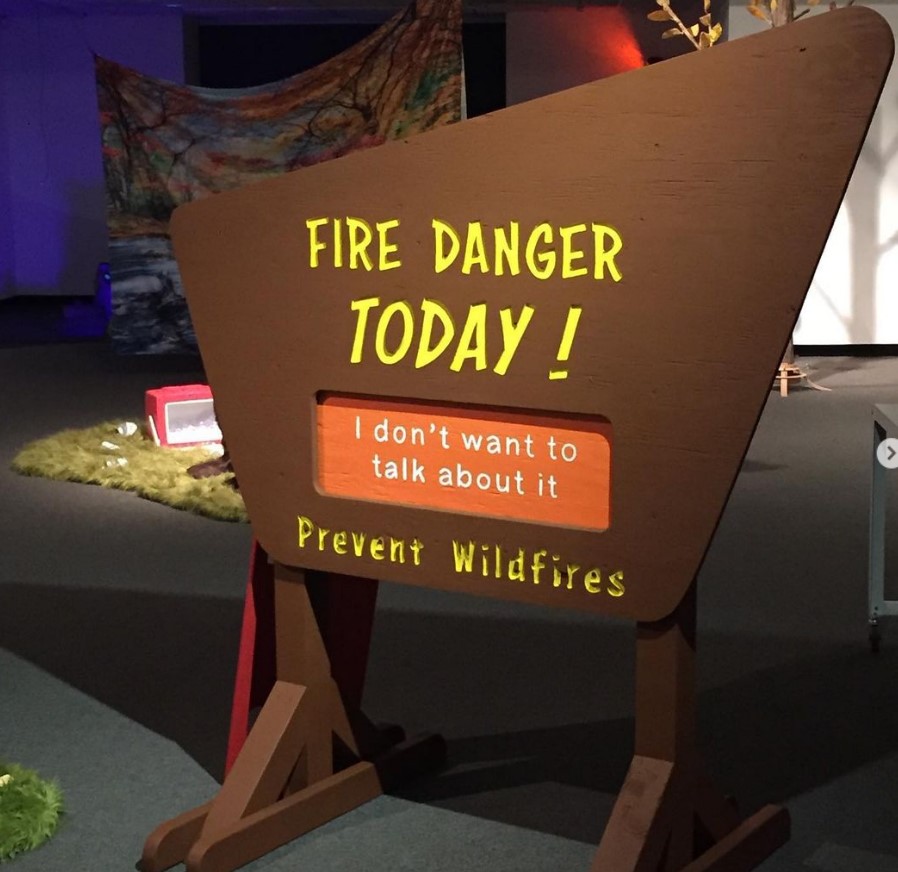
(166, 144)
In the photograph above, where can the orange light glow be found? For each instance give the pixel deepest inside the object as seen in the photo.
(605, 35)
(591, 43)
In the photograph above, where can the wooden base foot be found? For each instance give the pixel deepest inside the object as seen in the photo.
(255, 835)
(170, 842)
(669, 818)
(309, 758)
(208, 839)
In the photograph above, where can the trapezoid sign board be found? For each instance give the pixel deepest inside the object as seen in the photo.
(523, 356)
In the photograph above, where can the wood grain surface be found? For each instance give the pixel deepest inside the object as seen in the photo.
(669, 222)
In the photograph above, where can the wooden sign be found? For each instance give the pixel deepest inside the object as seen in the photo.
(520, 357)
(524, 356)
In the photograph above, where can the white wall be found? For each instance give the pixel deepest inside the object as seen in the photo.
(854, 296)
(52, 204)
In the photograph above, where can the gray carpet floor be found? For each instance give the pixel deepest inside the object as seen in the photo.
(119, 622)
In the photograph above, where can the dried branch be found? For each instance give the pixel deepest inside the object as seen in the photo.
(699, 38)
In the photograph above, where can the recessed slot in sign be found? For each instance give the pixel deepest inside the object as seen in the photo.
(501, 463)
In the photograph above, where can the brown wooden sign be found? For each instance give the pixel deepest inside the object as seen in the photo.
(520, 357)
(524, 356)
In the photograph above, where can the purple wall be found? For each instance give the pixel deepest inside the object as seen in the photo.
(53, 227)
(7, 266)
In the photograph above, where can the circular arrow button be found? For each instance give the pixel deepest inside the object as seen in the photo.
(887, 453)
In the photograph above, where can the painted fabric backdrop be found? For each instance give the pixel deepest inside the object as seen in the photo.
(166, 144)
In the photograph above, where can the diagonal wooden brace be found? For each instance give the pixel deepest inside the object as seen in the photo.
(278, 744)
(283, 783)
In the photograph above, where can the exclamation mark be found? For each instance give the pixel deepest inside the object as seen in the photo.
(567, 340)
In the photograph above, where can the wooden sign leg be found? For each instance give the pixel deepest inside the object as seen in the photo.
(344, 606)
(284, 783)
(669, 817)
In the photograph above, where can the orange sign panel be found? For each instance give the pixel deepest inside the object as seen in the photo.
(502, 464)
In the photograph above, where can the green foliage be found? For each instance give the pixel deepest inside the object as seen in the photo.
(158, 474)
(29, 810)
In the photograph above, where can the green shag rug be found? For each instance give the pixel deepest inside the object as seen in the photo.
(103, 455)
(29, 810)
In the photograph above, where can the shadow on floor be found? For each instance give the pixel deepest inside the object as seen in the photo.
(168, 662)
